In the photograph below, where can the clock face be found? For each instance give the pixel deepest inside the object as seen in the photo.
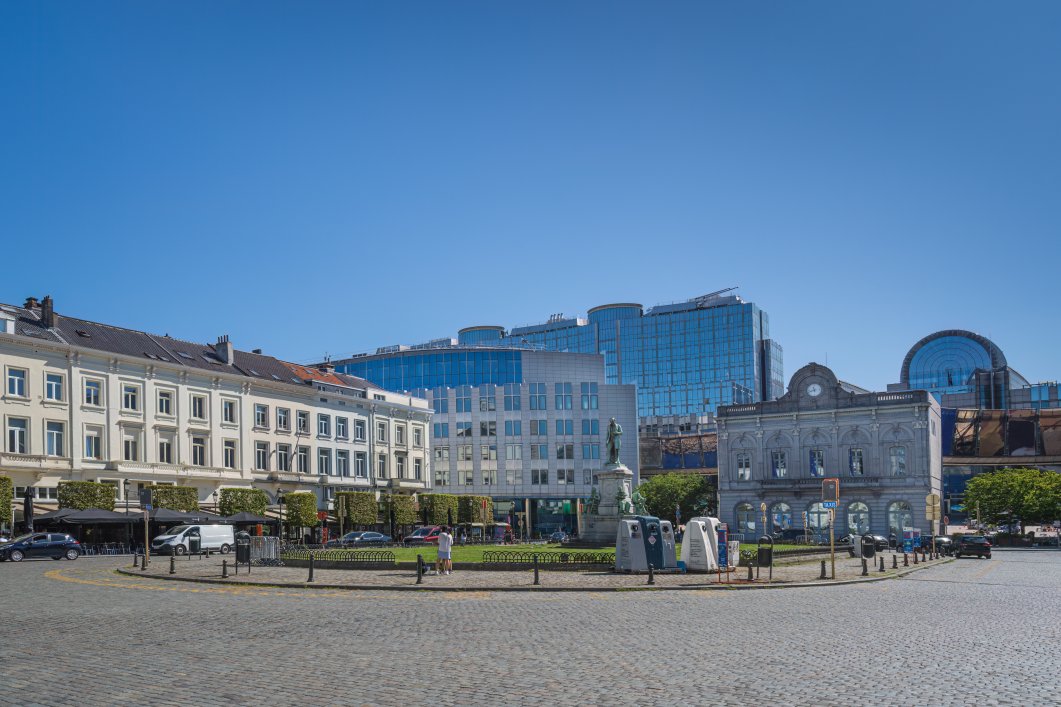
(814, 390)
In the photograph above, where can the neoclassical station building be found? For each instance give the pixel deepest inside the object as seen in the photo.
(884, 448)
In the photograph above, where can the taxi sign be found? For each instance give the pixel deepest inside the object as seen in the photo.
(829, 504)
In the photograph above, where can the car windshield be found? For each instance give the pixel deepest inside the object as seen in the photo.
(420, 532)
(176, 530)
(354, 536)
(973, 539)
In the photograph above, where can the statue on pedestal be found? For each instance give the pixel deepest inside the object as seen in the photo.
(639, 503)
(614, 441)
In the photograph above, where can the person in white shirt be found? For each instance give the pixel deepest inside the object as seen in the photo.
(445, 549)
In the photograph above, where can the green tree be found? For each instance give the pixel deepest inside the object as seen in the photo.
(233, 501)
(81, 495)
(7, 493)
(436, 508)
(693, 493)
(402, 508)
(175, 498)
(359, 507)
(1012, 495)
(301, 509)
(470, 509)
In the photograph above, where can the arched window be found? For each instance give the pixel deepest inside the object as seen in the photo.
(744, 466)
(780, 517)
(899, 516)
(897, 460)
(745, 518)
(818, 518)
(858, 518)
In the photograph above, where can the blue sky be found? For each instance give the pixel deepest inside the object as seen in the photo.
(330, 177)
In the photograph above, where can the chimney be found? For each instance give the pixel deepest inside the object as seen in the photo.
(326, 367)
(31, 302)
(224, 350)
(48, 315)
(257, 351)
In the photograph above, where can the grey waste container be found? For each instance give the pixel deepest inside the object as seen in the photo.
(195, 544)
(243, 547)
(868, 546)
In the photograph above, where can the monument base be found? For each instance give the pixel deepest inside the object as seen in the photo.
(600, 528)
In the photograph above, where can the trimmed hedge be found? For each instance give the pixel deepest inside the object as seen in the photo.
(175, 498)
(7, 494)
(81, 495)
(301, 509)
(359, 507)
(434, 506)
(470, 509)
(235, 501)
(402, 507)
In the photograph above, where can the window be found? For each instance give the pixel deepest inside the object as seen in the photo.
(539, 476)
(779, 465)
(487, 398)
(565, 451)
(93, 443)
(537, 396)
(228, 411)
(539, 451)
(302, 460)
(465, 477)
(418, 436)
(745, 518)
(165, 451)
(464, 399)
(563, 396)
(131, 399)
(441, 454)
(464, 452)
(513, 428)
(399, 463)
(441, 477)
(590, 400)
(131, 446)
(591, 427)
(261, 456)
(439, 401)
(229, 454)
(513, 451)
(17, 428)
(897, 461)
(591, 451)
(781, 516)
(440, 430)
(360, 465)
(381, 431)
(53, 387)
(359, 430)
(53, 439)
(302, 420)
(818, 518)
(261, 416)
(324, 462)
(565, 428)
(489, 477)
(399, 434)
(324, 425)
(900, 516)
(854, 462)
(342, 463)
(283, 457)
(381, 466)
(198, 407)
(464, 429)
(539, 428)
(199, 451)
(488, 429)
(565, 476)
(283, 419)
(817, 463)
(488, 452)
(165, 400)
(16, 382)
(858, 518)
(342, 428)
(511, 476)
(744, 466)
(93, 393)
(512, 396)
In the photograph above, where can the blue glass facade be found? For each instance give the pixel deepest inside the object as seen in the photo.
(437, 368)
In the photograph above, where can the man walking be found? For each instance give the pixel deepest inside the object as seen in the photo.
(445, 549)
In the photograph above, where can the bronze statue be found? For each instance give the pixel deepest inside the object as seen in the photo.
(614, 441)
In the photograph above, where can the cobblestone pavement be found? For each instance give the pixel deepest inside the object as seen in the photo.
(970, 631)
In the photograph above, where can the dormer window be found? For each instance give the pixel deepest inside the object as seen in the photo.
(7, 324)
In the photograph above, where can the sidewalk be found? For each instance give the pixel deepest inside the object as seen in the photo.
(803, 574)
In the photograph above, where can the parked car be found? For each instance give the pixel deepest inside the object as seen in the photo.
(178, 539)
(558, 536)
(360, 538)
(796, 535)
(972, 545)
(944, 543)
(880, 543)
(426, 535)
(53, 545)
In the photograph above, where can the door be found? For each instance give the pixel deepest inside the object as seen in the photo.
(39, 546)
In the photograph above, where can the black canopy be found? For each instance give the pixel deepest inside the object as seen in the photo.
(91, 516)
(57, 515)
(245, 517)
(165, 515)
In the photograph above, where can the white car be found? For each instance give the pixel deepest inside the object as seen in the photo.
(178, 540)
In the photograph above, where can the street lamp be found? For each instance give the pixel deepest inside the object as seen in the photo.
(280, 520)
(129, 523)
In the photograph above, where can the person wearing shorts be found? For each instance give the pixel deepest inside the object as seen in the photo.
(445, 550)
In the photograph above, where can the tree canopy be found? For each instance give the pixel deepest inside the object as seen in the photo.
(693, 493)
(1011, 495)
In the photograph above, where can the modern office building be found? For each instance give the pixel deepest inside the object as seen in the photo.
(685, 358)
(525, 427)
(679, 443)
(884, 448)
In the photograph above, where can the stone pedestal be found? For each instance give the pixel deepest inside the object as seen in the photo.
(600, 528)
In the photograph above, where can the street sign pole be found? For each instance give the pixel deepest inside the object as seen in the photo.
(147, 542)
(832, 545)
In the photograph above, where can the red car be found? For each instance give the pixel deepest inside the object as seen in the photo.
(427, 535)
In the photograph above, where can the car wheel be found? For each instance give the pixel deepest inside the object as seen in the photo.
(957, 555)
(72, 554)
(179, 550)
(225, 549)
(987, 556)
(16, 555)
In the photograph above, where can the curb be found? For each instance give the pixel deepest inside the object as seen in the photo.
(541, 588)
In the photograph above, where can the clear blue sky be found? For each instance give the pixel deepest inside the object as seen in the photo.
(333, 176)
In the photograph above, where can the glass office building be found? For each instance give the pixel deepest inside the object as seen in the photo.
(684, 358)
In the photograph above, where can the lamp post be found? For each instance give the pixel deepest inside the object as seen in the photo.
(129, 524)
(280, 520)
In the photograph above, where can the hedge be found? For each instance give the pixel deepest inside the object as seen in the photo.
(470, 509)
(434, 506)
(301, 509)
(7, 493)
(81, 495)
(175, 498)
(359, 507)
(235, 501)
(401, 506)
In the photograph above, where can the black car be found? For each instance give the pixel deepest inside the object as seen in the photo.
(972, 545)
(53, 545)
(944, 544)
(880, 543)
(796, 535)
(360, 538)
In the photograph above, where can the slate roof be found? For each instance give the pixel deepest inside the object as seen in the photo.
(314, 374)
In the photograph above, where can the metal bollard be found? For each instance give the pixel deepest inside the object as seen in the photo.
(143, 562)
(906, 560)
(882, 563)
(895, 562)
(136, 559)
(865, 567)
(419, 569)
(822, 576)
(915, 557)
(310, 578)
(651, 574)
(224, 569)
(172, 564)
(750, 573)
(536, 580)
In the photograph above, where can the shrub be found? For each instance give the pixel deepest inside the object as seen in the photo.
(470, 509)
(434, 507)
(175, 498)
(402, 508)
(359, 507)
(7, 492)
(301, 509)
(80, 495)
(235, 501)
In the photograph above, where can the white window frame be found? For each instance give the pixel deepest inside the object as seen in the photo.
(23, 381)
(87, 384)
(49, 387)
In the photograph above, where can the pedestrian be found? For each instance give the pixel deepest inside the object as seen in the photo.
(464, 536)
(445, 548)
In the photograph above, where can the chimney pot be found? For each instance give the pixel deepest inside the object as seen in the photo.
(48, 315)
(31, 302)
(225, 350)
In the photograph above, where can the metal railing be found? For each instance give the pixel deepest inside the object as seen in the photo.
(302, 552)
(512, 557)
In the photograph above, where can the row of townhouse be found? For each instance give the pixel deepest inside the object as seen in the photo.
(88, 401)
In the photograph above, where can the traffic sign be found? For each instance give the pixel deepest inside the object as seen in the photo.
(829, 504)
(147, 507)
(831, 491)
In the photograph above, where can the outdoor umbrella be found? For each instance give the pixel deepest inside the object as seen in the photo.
(206, 517)
(27, 509)
(449, 517)
(392, 521)
(247, 518)
(165, 515)
(94, 516)
(56, 515)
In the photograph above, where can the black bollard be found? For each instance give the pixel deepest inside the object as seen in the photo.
(136, 559)
(915, 556)
(895, 562)
(750, 573)
(865, 567)
(651, 574)
(143, 562)
(310, 579)
(823, 570)
(906, 560)
(419, 569)
(224, 569)
(172, 564)
(882, 563)
(536, 581)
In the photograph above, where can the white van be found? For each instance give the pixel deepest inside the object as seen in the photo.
(177, 540)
